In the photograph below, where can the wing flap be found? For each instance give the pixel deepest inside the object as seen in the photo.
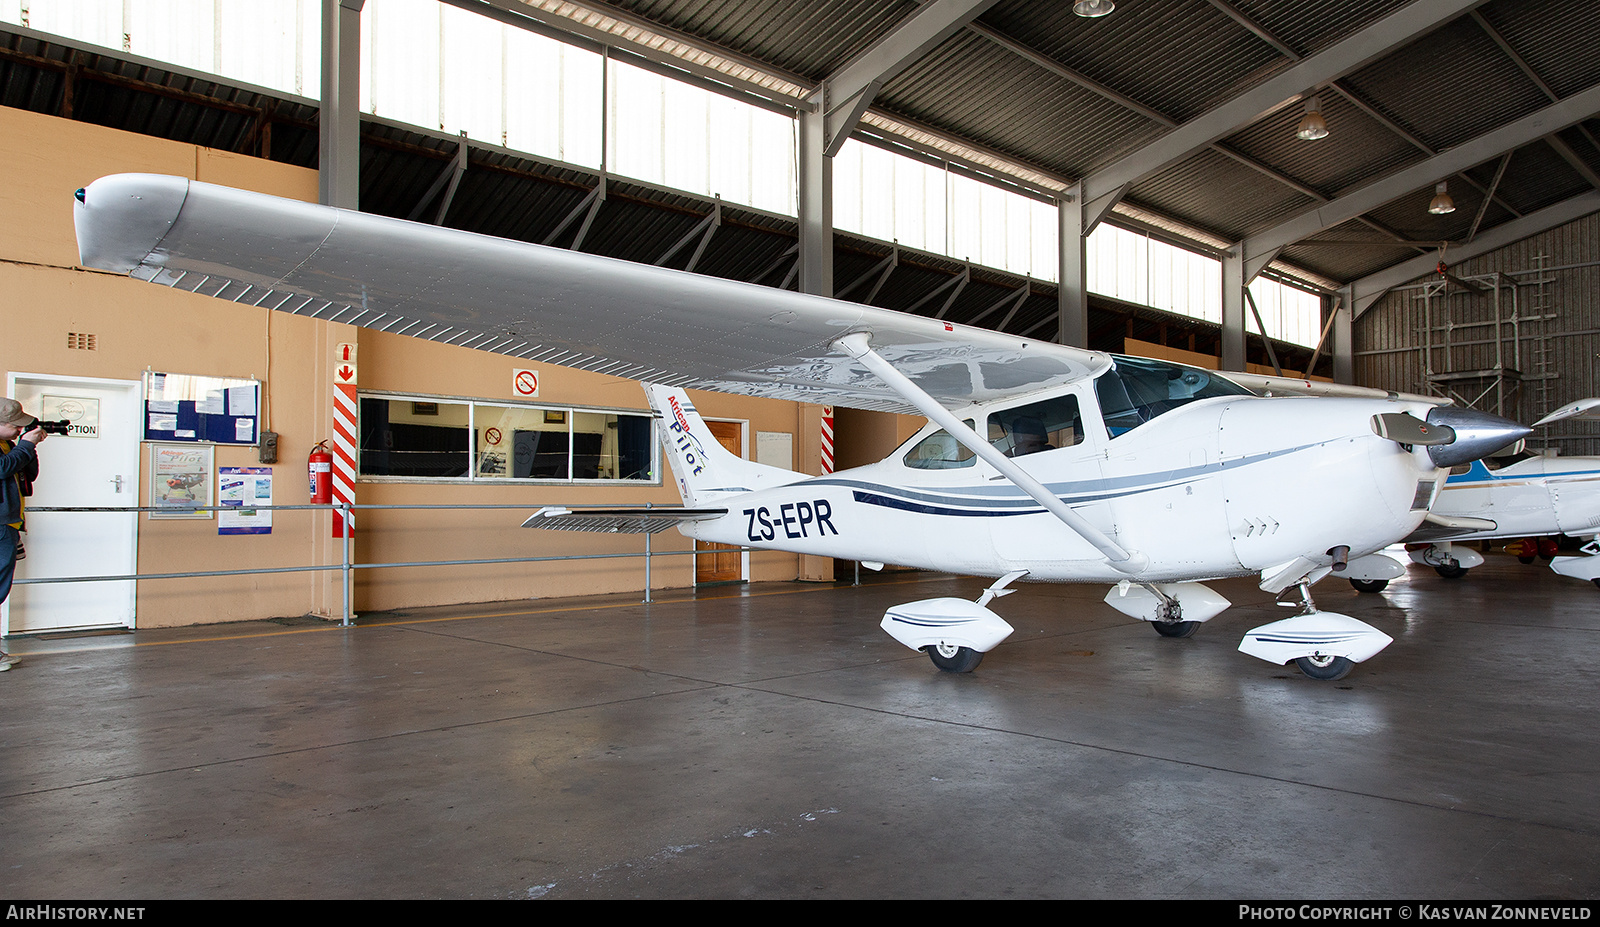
(541, 304)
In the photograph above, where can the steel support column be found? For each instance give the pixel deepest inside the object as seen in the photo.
(339, 149)
(816, 206)
(815, 266)
(1073, 294)
(1233, 327)
(1344, 349)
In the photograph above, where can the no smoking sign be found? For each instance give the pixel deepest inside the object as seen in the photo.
(525, 383)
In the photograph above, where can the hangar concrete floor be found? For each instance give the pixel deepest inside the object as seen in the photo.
(770, 741)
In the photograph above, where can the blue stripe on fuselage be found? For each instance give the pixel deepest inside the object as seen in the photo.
(961, 502)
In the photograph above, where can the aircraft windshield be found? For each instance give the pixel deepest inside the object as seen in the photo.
(1137, 389)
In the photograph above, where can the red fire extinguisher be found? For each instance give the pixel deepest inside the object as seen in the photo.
(320, 465)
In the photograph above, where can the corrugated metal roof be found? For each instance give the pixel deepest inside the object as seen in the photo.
(1068, 96)
(1028, 84)
(1178, 57)
(1216, 192)
(969, 87)
(808, 37)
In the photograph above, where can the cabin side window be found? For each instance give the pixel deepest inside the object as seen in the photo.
(940, 451)
(1038, 426)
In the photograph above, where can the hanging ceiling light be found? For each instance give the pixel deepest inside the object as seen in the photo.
(1312, 125)
(1093, 9)
(1442, 203)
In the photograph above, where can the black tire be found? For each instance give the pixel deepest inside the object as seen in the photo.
(1175, 628)
(1369, 585)
(1596, 582)
(1451, 570)
(957, 660)
(1325, 668)
(1527, 559)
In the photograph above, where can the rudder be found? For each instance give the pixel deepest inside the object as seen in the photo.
(706, 470)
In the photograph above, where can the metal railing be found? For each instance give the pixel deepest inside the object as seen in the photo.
(346, 565)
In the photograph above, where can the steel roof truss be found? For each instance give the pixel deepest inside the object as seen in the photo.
(850, 90)
(1371, 288)
(1352, 205)
(1376, 40)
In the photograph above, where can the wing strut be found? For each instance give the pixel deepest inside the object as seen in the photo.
(858, 345)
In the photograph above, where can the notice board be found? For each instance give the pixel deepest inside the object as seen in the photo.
(213, 410)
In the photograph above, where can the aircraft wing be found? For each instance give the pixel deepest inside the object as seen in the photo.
(541, 304)
(1582, 410)
(1268, 385)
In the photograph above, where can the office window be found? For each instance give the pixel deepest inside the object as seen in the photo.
(431, 438)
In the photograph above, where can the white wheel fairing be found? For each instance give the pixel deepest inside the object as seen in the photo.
(1198, 601)
(1372, 568)
(946, 624)
(1319, 635)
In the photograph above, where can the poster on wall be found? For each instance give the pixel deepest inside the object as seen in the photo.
(239, 491)
(180, 480)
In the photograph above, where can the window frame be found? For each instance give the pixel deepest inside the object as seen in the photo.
(473, 478)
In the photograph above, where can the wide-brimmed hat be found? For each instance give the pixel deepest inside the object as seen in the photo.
(11, 413)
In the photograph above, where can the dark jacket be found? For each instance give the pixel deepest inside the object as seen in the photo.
(19, 467)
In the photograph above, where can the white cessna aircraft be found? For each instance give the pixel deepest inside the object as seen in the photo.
(1040, 460)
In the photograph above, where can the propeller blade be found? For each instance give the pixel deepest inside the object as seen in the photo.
(1405, 428)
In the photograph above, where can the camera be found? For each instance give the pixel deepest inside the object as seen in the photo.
(50, 428)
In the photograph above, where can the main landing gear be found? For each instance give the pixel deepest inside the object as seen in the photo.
(1175, 610)
(954, 633)
(1324, 645)
(953, 658)
(1448, 561)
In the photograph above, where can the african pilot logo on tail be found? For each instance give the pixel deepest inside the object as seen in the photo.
(688, 445)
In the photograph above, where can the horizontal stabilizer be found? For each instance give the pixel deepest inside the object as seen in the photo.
(617, 521)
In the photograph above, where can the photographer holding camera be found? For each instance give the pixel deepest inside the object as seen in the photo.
(20, 434)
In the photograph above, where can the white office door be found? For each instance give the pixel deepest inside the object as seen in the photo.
(97, 468)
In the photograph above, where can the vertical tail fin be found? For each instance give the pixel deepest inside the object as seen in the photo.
(705, 469)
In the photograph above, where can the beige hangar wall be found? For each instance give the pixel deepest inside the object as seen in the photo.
(43, 295)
